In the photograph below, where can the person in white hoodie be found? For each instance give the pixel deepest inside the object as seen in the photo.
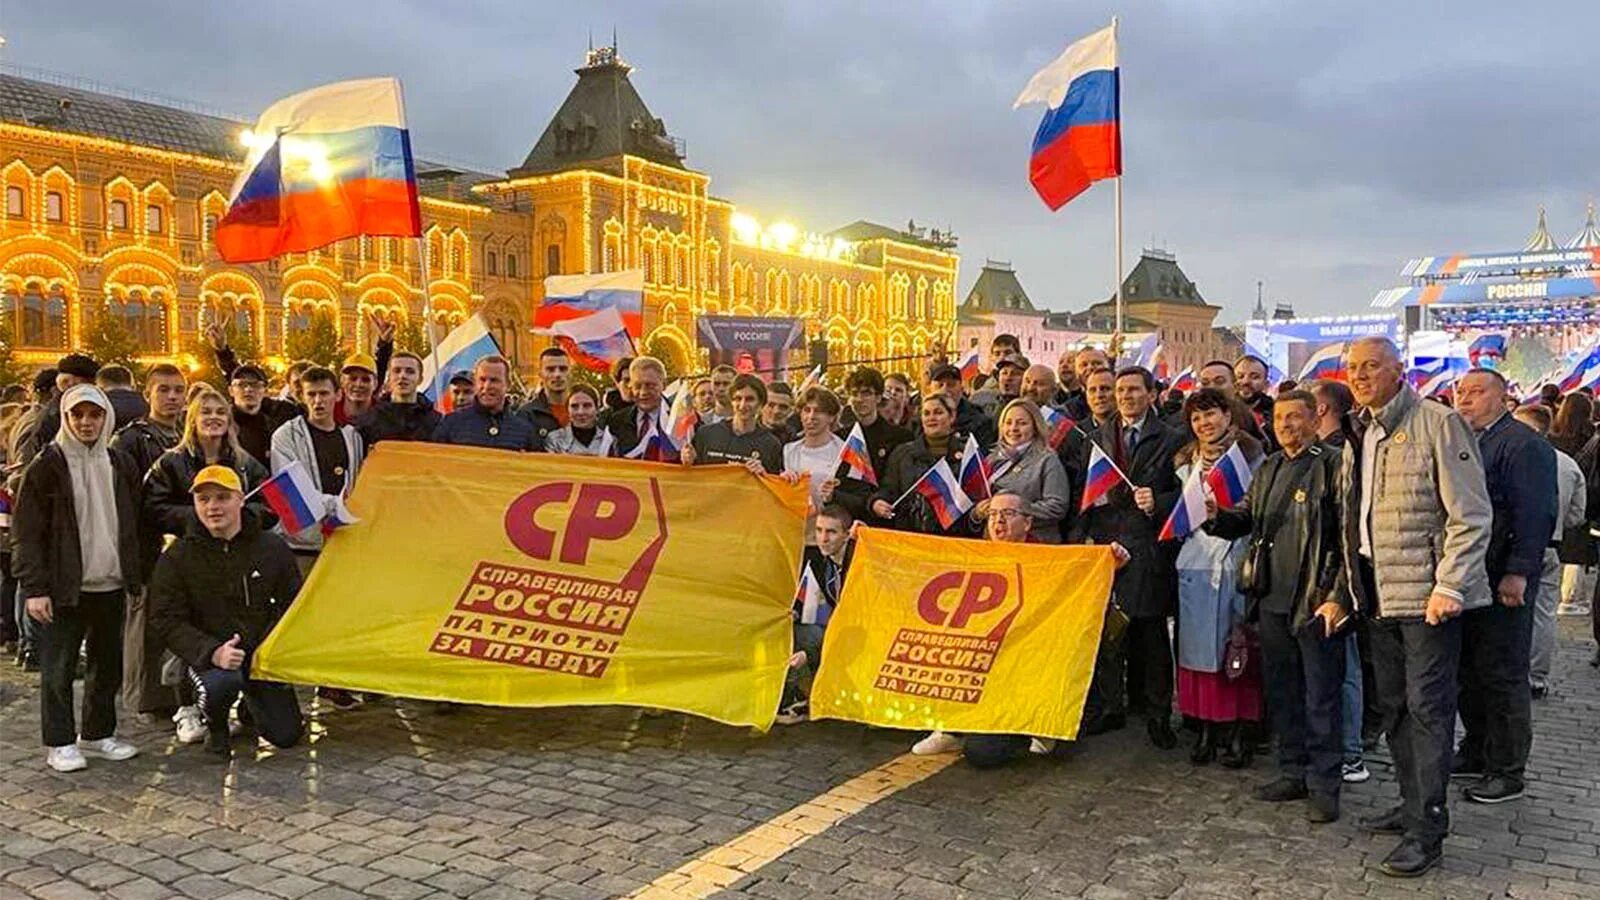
(75, 552)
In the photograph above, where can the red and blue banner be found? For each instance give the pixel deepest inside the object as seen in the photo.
(1079, 141)
(326, 164)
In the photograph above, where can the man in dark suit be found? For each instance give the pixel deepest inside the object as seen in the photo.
(1146, 589)
(631, 422)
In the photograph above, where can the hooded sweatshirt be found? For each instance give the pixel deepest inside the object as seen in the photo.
(94, 494)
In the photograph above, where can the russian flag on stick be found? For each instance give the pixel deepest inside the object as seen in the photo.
(974, 471)
(1101, 476)
(596, 341)
(293, 495)
(969, 366)
(682, 418)
(326, 164)
(1060, 424)
(576, 296)
(1079, 141)
(460, 350)
(1230, 478)
(1190, 511)
(1184, 381)
(813, 606)
(855, 455)
(939, 487)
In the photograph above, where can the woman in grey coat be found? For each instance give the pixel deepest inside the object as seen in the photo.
(1023, 463)
(582, 435)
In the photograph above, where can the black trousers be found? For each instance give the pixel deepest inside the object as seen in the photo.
(1150, 678)
(1305, 697)
(988, 751)
(272, 706)
(1496, 705)
(1416, 665)
(94, 625)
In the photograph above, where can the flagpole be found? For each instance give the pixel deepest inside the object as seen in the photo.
(1118, 215)
(427, 305)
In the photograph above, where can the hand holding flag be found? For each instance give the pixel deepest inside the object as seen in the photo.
(1190, 511)
(975, 472)
(1101, 476)
(855, 455)
(1230, 477)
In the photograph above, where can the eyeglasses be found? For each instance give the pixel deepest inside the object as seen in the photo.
(1006, 515)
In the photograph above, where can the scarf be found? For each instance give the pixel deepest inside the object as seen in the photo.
(94, 491)
(1206, 454)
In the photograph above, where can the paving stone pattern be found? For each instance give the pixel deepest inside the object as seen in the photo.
(405, 801)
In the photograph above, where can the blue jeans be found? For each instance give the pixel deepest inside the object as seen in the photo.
(807, 639)
(1304, 680)
(1352, 700)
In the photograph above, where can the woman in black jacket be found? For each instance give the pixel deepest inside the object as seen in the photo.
(209, 438)
(910, 461)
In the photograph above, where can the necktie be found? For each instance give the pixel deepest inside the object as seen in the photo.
(832, 582)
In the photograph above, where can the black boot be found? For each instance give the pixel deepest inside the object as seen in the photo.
(1205, 749)
(1239, 752)
(219, 744)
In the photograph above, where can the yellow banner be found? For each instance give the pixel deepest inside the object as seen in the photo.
(482, 576)
(937, 633)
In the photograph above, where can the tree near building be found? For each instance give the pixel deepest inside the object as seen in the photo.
(318, 342)
(109, 340)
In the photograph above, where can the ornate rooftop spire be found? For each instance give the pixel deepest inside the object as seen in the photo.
(1541, 239)
(1589, 236)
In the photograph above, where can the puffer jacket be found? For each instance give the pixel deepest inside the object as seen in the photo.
(1430, 510)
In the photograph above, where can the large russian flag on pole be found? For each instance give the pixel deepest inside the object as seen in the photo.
(458, 352)
(1080, 140)
(326, 164)
(595, 341)
(577, 296)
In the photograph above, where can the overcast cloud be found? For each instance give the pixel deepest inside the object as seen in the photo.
(1314, 146)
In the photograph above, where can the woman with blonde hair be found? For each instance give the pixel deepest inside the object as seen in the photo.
(1022, 463)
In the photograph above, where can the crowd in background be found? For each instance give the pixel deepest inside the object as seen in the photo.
(1396, 562)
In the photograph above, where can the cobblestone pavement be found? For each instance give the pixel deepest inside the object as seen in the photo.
(406, 801)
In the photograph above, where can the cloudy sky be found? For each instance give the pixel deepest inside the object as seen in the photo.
(1313, 146)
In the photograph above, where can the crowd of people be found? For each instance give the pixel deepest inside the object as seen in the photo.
(1395, 563)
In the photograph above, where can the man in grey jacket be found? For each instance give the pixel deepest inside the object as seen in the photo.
(1416, 519)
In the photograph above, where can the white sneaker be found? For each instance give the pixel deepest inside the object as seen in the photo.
(936, 743)
(191, 725)
(66, 759)
(109, 748)
(1042, 746)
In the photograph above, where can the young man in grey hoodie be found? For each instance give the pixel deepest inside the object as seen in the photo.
(75, 551)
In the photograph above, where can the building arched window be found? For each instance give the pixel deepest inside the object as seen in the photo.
(37, 321)
(117, 214)
(505, 335)
(491, 262)
(145, 319)
(552, 259)
(684, 265)
(16, 202)
(152, 219)
(511, 265)
(455, 258)
(54, 207)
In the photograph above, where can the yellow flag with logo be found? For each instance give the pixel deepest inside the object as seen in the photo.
(938, 633)
(482, 576)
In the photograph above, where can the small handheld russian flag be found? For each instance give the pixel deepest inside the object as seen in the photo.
(1183, 381)
(5, 508)
(813, 607)
(1190, 511)
(943, 492)
(1101, 476)
(969, 366)
(854, 454)
(299, 504)
(974, 471)
(1325, 363)
(654, 445)
(1230, 478)
(1060, 424)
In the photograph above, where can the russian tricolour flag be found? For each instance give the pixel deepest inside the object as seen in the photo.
(974, 471)
(1184, 381)
(1101, 476)
(1080, 140)
(1190, 511)
(458, 352)
(1230, 478)
(1060, 425)
(293, 495)
(1585, 372)
(595, 341)
(939, 487)
(576, 296)
(326, 164)
(857, 459)
(810, 603)
(969, 366)
(1325, 363)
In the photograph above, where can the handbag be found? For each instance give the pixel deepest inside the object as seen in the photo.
(1239, 655)
(1255, 570)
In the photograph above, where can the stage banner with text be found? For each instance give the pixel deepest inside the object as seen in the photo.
(938, 633)
(482, 576)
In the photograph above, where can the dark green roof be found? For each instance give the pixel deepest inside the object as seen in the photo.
(1157, 278)
(602, 118)
(997, 289)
